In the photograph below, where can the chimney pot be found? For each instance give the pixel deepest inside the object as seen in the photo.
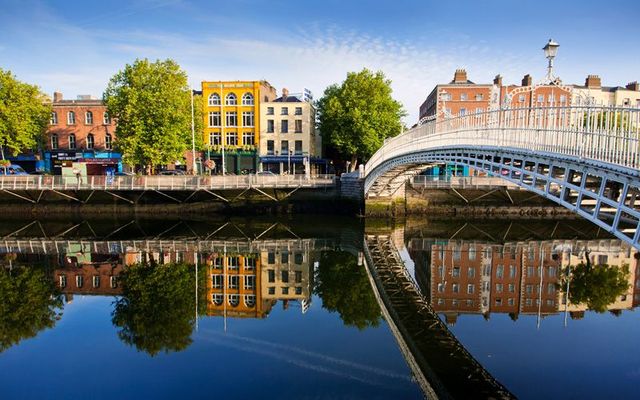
(57, 96)
(634, 86)
(497, 80)
(460, 76)
(527, 80)
(593, 82)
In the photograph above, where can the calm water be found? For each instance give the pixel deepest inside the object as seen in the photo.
(278, 309)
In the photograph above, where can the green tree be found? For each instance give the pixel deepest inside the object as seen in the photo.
(356, 117)
(344, 287)
(157, 309)
(198, 120)
(151, 102)
(596, 286)
(24, 114)
(29, 303)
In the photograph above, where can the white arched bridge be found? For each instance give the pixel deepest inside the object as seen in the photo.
(585, 158)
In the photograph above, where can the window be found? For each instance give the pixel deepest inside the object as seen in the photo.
(298, 290)
(471, 288)
(552, 98)
(79, 281)
(234, 300)
(217, 299)
(90, 141)
(215, 139)
(63, 281)
(510, 301)
(54, 141)
(284, 257)
(446, 96)
(234, 281)
(271, 275)
(214, 99)
(551, 288)
(530, 271)
(270, 126)
(231, 100)
(249, 300)
(284, 111)
(284, 126)
(512, 288)
(285, 276)
(499, 287)
(486, 270)
(298, 275)
(456, 272)
(626, 102)
(232, 118)
(298, 126)
(298, 258)
(106, 120)
(71, 118)
(96, 281)
(455, 288)
(463, 111)
(216, 281)
(471, 272)
(463, 96)
(540, 98)
(107, 142)
(298, 148)
(233, 263)
(270, 111)
(441, 271)
(479, 110)
(214, 118)
(270, 150)
(249, 263)
(113, 282)
(529, 289)
(521, 98)
(72, 141)
(284, 147)
(272, 290)
(54, 118)
(271, 258)
(498, 302)
(248, 138)
(285, 290)
(88, 118)
(250, 282)
(247, 118)
(479, 97)
(551, 271)
(247, 99)
(298, 111)
(500, 271)
(441, 287)
(512, 271)
(563, 98)
(472, 253)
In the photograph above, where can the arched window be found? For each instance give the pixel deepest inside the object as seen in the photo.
(72, 141)
(231, 100)
(54, 142)
(249, 300)
(217, 299)
(107, 142)
(90, 141)
(214, 99)
(234, 300)
(88, 118)
(71, 118)
(247, 99)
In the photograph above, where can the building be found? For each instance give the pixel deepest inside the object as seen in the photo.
(288, 139)
(287, 276)
(592, 92)
(231, 123)
(80, 135)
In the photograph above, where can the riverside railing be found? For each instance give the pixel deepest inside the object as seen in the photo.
(600, 133)
(163, 183)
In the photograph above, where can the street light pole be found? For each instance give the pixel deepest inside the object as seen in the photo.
(550, 51)
(289, 162)
(222, 121)
(193, 136)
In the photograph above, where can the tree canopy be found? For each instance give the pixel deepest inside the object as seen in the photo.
(157, 309)
(597, 286)
(344, 287)
(29, 303)
(356, 117)
(151, 102)
(24, 114)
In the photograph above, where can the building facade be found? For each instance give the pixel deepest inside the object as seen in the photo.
(288, 139)
(592, 92)
(232, 123)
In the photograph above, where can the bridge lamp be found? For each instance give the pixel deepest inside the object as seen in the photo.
(550, 52)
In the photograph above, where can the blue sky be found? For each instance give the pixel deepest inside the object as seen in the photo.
(76, 46)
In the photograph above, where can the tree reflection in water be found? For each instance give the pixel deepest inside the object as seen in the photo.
(29, 303)
(597, 286)
(344, 287)
(157, 309)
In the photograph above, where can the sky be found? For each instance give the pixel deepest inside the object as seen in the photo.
(76, 46)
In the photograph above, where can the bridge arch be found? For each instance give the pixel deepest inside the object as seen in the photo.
(584, 158)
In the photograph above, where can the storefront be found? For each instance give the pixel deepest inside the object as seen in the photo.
(29, 162)
(294, 164)
(236, 162)
(97, 163)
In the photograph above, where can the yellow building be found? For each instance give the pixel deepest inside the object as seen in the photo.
(232, 122)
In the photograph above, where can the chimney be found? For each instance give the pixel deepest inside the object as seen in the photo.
(527, 80)
(498, 80)
(634, 86)
(285, 93)
(592, 82)
(57, 96)
(460, 76)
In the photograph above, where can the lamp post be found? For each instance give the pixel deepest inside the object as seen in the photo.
(193, 137)
(289, 162)
(550, 52)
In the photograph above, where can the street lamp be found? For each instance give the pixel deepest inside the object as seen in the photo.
(289, 162)
(550, 51)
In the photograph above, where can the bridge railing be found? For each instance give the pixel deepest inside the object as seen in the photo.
(159, 182)
(600, 133)
(460, 182)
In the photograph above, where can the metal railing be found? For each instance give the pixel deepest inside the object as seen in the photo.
(600, 133)
(164, 183)
(460, 182)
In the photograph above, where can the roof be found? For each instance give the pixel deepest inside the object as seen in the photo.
(287, 99)
(467, 82)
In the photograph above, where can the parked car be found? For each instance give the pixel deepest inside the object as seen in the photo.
(12, 169)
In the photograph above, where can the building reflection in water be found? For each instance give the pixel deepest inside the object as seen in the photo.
(523, 278)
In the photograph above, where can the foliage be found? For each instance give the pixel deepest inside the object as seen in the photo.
(597, 286)
(610, 121)
(24, 114)
(29, 303)
(198, 121)
(157, 309)
(356, 117)
(344, 287)
(152, 104)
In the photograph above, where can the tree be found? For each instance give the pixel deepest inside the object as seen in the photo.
(29, 303)
(344, 287)
(596, 286)
(356, 117)
(157, 309)
(24, 114)
(151, 102)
